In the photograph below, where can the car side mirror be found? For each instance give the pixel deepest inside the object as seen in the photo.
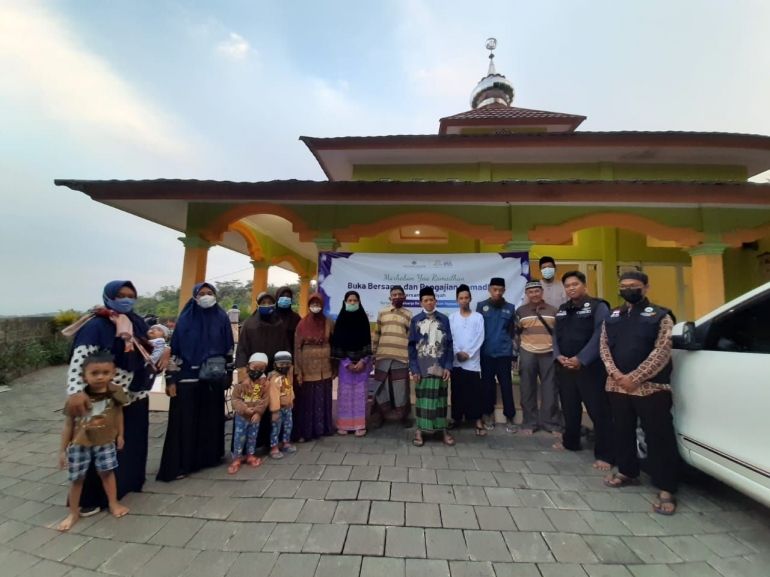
(685, 337)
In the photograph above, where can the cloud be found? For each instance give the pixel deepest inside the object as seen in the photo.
(47, 70)
(235, 47)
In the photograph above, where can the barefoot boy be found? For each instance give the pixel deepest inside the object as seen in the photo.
(96, 437)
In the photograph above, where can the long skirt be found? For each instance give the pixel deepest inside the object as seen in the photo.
(312, 414)
(195, 436)
(351, 399)
(392, 398)
(431, 404)
(132, 460)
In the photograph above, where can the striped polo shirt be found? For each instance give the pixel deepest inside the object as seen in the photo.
(534, 336)
(391, 335)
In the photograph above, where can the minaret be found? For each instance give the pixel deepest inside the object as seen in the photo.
(494, 89)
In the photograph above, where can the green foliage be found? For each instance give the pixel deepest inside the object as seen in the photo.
(65, 319)
(18, 356)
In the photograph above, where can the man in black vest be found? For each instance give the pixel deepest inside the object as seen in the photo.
(580, 373)
(636, 349)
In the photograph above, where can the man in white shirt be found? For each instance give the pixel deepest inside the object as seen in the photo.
(235, 318)
(467, 336)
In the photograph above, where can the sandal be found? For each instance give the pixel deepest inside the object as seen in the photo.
(489, 425)
(341, 432)
(481, 432)
(253, 461)
(360, 433)
(418, 441)
(276, 454)
(511, 428)
(620, 481)
(658, 507)
(235, 466)
(289, 449)
(448, 440)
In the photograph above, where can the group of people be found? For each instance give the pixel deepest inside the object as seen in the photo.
(572, 349)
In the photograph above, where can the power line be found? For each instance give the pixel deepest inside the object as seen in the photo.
(230, 273)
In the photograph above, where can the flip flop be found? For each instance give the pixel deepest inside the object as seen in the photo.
(658, 507)
(623, 481)
(418, 441)
(481, 432)
(449, 440)
(511, 428)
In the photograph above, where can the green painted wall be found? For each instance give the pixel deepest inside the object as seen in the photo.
(557, 171)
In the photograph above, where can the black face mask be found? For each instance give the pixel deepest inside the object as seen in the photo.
(632, 295)
(255, 375)
(282, 370)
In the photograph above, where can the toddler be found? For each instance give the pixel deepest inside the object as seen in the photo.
(95, 437)
(281, 404)
(251, 398)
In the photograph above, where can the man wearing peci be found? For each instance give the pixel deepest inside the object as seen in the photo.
(497, 354)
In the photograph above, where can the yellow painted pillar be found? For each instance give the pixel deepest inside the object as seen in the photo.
(708, 279)
(304, 294)
(196, 252)
(260, 281)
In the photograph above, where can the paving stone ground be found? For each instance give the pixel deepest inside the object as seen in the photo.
(504, 506)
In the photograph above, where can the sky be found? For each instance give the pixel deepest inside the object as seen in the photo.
(222, 90)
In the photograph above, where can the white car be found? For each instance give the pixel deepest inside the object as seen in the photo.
(721, 384)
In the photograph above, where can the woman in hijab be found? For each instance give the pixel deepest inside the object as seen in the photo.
(287, 315)
(200, 345)
(99, 332)
(352, 347)
(314, 374)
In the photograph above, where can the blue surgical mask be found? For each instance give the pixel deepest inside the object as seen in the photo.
(122, 306)
(266, 311)
(548, 273)
(284, 302)
(351, 308)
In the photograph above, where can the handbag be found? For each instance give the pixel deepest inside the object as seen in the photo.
(213, 368)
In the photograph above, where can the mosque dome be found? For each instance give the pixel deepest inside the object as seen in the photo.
(494, 88)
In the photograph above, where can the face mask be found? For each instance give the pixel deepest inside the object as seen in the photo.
(427, 312)
(315, 310)
(121, 306)
(266, 311)
(206, 301)
(255, 375)
(282, 370)
(397, 302)
(284, 302)
(351, 308)
(548, 273)
(631, 295)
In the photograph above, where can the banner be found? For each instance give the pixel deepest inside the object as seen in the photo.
(372, 274)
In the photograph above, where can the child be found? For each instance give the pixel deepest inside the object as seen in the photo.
(94, 436)
(281, 404)
(251, 398)
(158, 334)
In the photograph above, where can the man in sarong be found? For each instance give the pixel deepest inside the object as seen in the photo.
(391, 354)
(430, 362)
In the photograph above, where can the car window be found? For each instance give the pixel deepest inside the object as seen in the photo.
(745, 329)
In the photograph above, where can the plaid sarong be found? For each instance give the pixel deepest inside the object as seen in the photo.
(431, 404)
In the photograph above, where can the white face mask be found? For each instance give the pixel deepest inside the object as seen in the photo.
(206, 301)
(427, 312)
(315, 310)
(548, 273)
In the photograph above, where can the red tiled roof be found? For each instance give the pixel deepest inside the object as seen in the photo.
(493, 112)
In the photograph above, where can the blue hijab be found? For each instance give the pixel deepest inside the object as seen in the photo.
(100, 331)
(201, 333)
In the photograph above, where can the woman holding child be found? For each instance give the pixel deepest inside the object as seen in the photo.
(99, 332)
(201, 346)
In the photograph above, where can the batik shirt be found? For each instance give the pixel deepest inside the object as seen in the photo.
(430, 345)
